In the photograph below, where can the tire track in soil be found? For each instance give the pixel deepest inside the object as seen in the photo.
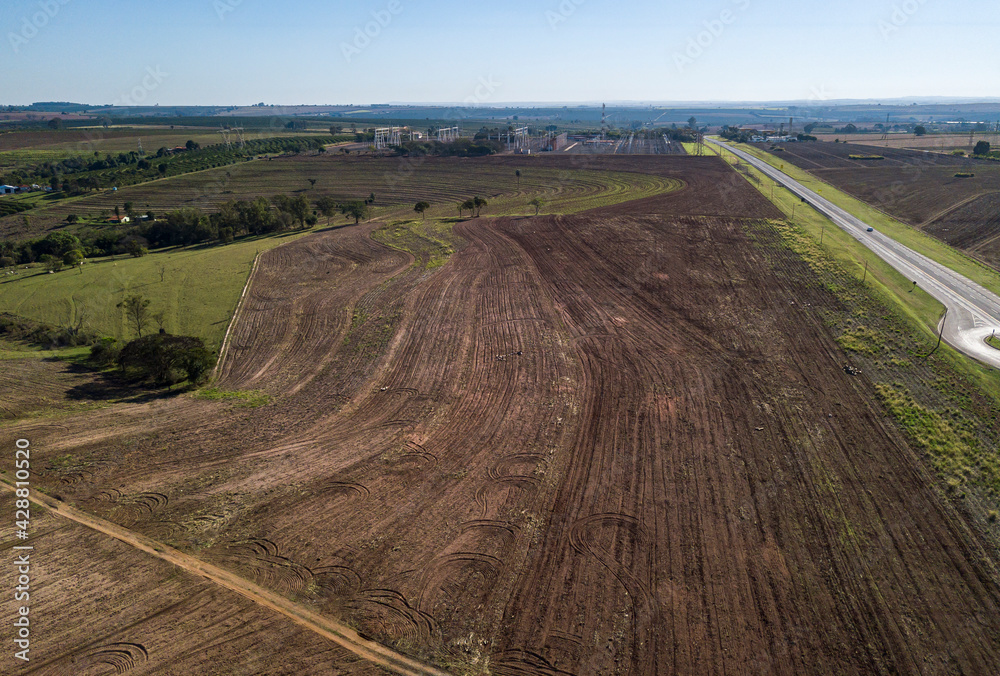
(326, 627)
(748, 562)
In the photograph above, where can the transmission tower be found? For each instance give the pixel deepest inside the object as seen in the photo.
(604, 121)
(520, 139)
(226, 138)
(141, 151)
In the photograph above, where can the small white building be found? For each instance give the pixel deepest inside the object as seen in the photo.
(7, 189)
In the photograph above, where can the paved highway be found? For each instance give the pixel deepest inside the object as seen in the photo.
(973, 312)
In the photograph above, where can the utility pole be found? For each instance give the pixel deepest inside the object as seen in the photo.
(865, 277)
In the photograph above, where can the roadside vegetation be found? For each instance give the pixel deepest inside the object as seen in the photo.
(947, 404)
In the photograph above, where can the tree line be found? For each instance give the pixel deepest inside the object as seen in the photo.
(185, 227)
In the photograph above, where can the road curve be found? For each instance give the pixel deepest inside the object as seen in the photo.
(326, 627)
(973, 312)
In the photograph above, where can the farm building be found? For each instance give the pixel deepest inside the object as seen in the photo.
(7, 190)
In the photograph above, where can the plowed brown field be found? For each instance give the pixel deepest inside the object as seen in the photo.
(615, 442)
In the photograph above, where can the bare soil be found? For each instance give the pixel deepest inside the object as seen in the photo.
(621, 441)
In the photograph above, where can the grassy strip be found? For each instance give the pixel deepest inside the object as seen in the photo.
(431, 242)
(239, 398)
(993, 341)
(953, 448)
(947, 404)
(692, 149)
(197, 292)
(9, 351)
(905, 234)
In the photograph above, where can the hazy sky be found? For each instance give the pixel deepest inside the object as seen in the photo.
(188, 52)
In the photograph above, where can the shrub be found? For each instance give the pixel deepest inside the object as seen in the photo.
(105, 352)
(167, 359)
(964, 174)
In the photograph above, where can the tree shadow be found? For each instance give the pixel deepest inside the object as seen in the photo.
(109, 386)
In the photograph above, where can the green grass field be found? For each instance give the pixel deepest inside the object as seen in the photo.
(198, 293)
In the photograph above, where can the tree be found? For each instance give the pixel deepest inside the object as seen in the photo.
(162, 168)
(468, 205)
(421, 207)
(312, 182)
(356, 210)
(136, 309)
(73, 258)
(118, 214)
(693, 122)
(537, 203)
(130, 211)
(167, 359)
(517, 173)
(478, 203)
(327, 206)
(55, 123)
(920, 130)
(298, 207)
(72, 218)
(191, 145)
(982, 148)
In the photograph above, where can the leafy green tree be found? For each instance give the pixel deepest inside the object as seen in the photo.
(920, 130)
(982, 148)
(298, 207)
(327, 206)
(167, 359)
(517, 173)
(537, 203)
(72, 258)
(356, 210)
(312, 182)
(421, 207)
(136, 308)
(479, 203)
(468, 205)
(55, 123)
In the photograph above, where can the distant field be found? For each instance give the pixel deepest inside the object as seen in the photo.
(933, 142)
(918, 188)
(85, 141)
(398, 183)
